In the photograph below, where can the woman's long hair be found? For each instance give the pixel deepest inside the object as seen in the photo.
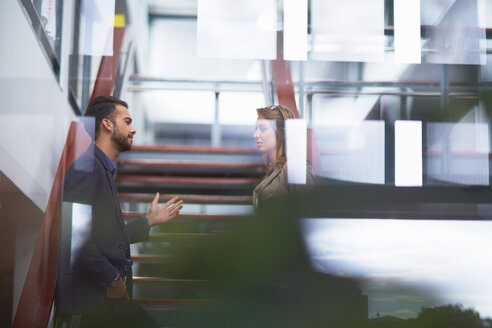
(279, 114)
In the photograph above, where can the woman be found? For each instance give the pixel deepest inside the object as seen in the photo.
(273, 191)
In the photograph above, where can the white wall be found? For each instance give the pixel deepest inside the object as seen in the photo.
(34, 119)
(35, 114)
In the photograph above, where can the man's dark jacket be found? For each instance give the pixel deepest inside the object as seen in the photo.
(86, 271)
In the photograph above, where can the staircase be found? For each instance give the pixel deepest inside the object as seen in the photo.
(216, 186)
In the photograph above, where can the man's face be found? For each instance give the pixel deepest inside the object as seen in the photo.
(123, 130)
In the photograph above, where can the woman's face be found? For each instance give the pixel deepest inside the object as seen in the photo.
(265, 136)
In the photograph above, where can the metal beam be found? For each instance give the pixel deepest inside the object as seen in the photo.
(282, 77)
(109, 67)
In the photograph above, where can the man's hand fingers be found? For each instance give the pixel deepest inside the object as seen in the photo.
(175, 206)
(156, 199)
(171, 201)
(175, 211)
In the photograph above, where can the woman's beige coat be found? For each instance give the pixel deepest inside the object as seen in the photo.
(273, 191)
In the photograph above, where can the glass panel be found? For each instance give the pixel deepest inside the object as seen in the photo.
(182, 62)
(351, 30)
(239, 108)
(351, 149)
(93, 38)
(83, 74)
(458, 36)
(352, 152)
(50, 16)
(181, 106)
(232, 29)
(342, 109)
(458, 153)
(96, 27)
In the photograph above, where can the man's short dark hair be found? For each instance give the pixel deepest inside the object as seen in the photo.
(103, 107)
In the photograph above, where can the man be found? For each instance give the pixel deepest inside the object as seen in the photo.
(94, 279)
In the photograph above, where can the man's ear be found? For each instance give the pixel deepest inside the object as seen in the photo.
(107, 125)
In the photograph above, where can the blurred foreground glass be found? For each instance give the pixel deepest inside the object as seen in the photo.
(458, 153)
(231, 29)
(354, 152)
(96, 27)
(407, 264)
(350, 30)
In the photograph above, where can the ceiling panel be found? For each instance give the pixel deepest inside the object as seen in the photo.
(173, 7)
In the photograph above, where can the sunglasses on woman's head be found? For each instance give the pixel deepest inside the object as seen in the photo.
(276, 107)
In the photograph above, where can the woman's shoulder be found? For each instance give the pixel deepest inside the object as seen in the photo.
(310, 179)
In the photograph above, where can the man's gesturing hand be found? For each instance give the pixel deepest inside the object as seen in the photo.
(160, 214)
(117, 291)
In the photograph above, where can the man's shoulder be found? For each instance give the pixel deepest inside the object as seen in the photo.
(82, 177)
(86, 164)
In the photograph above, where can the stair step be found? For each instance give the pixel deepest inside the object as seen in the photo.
(199, 217)
(173, 301)
(180, 182)
(167, 282)
(166, 236)
(194, 149)
(150, 165)
(166, 164)
(193, 199)
(150, 258)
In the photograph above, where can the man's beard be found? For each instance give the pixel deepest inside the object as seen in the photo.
(121, 140)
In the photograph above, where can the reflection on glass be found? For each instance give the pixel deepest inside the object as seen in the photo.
(48, 27)
(96, 27)
(404, 264)
(295, 29)
(231, 29)
(408, 153)
(81, 226)
(296, 150)
(235, 107)
(350, 30)
(459, 34)
(48, 19)
(352, 152)
(458, 153)
(407, 31)
(180, 35)
(82, 133)
(342, 110)
(181, 106)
